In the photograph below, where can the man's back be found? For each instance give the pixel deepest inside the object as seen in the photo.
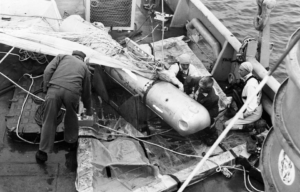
(68, 72)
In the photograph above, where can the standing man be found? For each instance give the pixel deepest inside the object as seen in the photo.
(254, 110)
(205, 94)
(183, 70)
(66, 79)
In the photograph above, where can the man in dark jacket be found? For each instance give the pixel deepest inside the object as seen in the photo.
(66, 79)
(205, 94)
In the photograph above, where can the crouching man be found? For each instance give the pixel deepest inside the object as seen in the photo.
(204, 93)
(183, 70)
(66, 79)
(254, 110)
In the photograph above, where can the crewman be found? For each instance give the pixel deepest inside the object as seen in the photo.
(66, 80)
(205, 94)
(183, 70)
(254, 110)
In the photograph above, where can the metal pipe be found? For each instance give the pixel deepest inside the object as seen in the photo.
(6, 89)
(210, 39)
(6, 54)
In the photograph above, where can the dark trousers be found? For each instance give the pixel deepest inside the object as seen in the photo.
(56, 96)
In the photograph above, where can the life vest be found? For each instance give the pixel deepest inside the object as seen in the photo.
(259, 94)
(182, 76)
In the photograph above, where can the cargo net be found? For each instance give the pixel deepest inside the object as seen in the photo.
(112, 13)
(114, 153)
(94, 36)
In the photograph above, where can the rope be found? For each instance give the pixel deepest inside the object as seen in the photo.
(153, 29)
(23, 88)
(39, 115)
(6, 54)
(144, 137)
(151, 21)
(39, 57)
(22, 108)
(31, 16)
(163, 30)
(27, 54)
(245, 180)
(96, 38)
(227, 129)
(225, 171)
(221, 168)
(35, 100)
(252, 185)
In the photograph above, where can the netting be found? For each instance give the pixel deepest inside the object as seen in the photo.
(116, 13)
(109, 156)
(74, 29)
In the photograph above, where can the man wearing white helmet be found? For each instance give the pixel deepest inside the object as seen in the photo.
(183, 69)
(254, 110)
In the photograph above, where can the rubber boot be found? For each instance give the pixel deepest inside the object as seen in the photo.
(41, 157)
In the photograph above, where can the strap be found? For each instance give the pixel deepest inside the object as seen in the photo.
(144, 149)
(151, 47)
(252, 76)
(230, 150)
(148, 87)
(176, 179)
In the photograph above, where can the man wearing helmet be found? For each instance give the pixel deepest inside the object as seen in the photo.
(254, 109)
(183, 70)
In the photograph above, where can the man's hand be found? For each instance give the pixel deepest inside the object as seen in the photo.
(192, 95)
(247, 114)
(89, 112)
(242, 116)
(89, 117)
(181, 88)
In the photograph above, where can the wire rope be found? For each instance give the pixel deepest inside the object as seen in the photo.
(220, 168)
(22, 108)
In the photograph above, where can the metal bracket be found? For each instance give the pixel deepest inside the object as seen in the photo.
(162, 16)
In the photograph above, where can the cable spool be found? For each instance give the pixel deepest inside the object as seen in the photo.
(279, 172)
(39, 114)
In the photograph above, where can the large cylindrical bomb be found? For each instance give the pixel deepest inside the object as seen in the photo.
(176, 108)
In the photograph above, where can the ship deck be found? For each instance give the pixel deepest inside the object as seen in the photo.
(17, 159)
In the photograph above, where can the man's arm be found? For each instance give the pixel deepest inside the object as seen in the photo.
(86, 93)
(215, 106)
(174, 68)
(50, 69)
(166, 75)
(191, 84)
